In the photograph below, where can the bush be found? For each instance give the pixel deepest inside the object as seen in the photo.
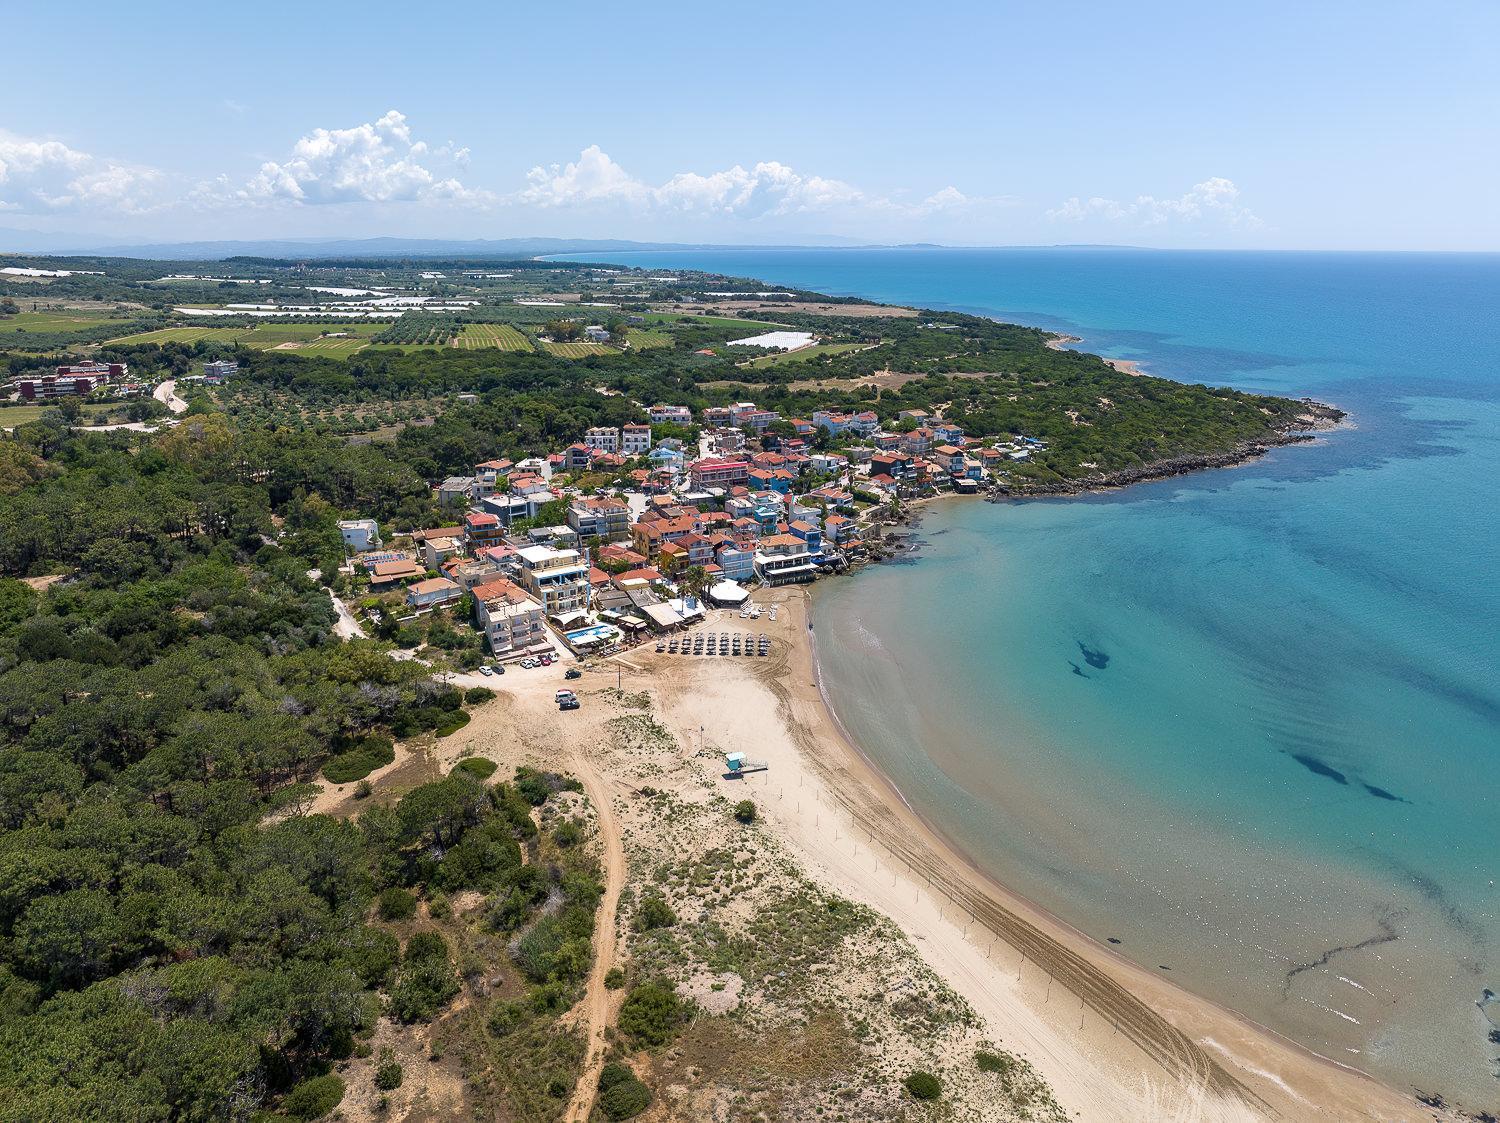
(651, 1014)
(625, 1100)
(567, 834)
(994, 1062)
(425, 981)
(612, 1074)
(315, 1098)
(744, 811)
(477, 767)
(397, 904)
(355, 764)
(477, 694)
(614, 979)
(389, 1076)
(654, 913)
(924, 1086)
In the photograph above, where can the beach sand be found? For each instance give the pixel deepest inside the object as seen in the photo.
(1124, 366)
(1113, 1041)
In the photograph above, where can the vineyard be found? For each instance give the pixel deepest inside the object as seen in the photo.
(577, 350)
(642, 340)
(502, 337)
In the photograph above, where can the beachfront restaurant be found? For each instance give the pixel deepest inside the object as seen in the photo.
(784, 559)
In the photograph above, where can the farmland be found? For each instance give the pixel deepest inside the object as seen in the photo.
(725, 323)
(577, 350)
(806, 354)
(13, 415)
(187, 335)
(499, 336)
(54, 322)
(342, 338)
(642, 340)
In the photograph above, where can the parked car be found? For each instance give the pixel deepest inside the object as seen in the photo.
(486, 671)
(573, 672)
(570, 704)
(499, 668)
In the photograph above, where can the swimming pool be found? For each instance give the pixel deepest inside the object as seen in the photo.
(599, 633)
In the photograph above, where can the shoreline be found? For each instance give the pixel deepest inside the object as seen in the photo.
(1062, 341)
(1219, 1063)
(993, 884)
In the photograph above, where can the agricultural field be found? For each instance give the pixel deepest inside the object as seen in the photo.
(816, 351)
(13, 415)
(643, 340)
(186, 335)
(726, 323)
(343, 338)
(502, 337)
(54, 322)
(577, 350)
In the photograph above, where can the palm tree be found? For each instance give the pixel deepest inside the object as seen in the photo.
(694, 581)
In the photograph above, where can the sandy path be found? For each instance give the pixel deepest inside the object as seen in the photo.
(166, 394)
(599, 1005)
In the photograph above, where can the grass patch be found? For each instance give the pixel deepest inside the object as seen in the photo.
(641, 340)
(11, 416)
(357, 763)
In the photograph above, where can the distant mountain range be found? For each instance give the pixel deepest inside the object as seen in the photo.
(34, 242)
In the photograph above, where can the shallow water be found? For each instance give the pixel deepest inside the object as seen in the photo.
(1246, 722)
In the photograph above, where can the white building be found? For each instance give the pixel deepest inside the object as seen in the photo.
(635, 440)
(676, 415)
(559, 579)
(510, 619)
(360, 534)
(603, 438)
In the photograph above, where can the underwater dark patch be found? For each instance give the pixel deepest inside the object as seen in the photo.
(1093, 657)
(1318, 768)
(1381, 793)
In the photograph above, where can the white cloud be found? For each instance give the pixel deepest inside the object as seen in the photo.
(375, 162)
(44, 176)
(1215, 199)
(768, 189)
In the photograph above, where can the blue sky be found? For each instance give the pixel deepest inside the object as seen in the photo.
(1346, 125)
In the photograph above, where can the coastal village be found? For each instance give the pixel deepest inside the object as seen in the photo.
(628, 535)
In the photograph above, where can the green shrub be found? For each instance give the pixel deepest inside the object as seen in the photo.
(654, 912)
(358, 762)
(389, 1076)
(994, 1062)
(651, 1014)
(478, 767)
(315, 1098)
(567, 834)
(614, 978)
(477, 694)
(396, 903)
(426, 980)
(744, 811)
(612, 1074)
(924, 1086)
(625, 1100)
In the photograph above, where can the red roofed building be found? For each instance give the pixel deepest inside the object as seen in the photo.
(719, 473)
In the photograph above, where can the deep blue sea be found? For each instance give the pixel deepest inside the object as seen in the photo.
(1246, 723)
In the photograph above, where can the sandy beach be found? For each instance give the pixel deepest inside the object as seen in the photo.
(1124, 366)
(1114, 1042)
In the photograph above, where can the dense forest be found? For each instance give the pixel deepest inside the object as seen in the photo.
(178, 940)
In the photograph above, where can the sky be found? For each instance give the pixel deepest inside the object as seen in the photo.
(1309, 125)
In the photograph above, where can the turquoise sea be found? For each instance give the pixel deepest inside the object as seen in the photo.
(1245, 725)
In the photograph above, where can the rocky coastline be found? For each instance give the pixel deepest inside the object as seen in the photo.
(1317, 417)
